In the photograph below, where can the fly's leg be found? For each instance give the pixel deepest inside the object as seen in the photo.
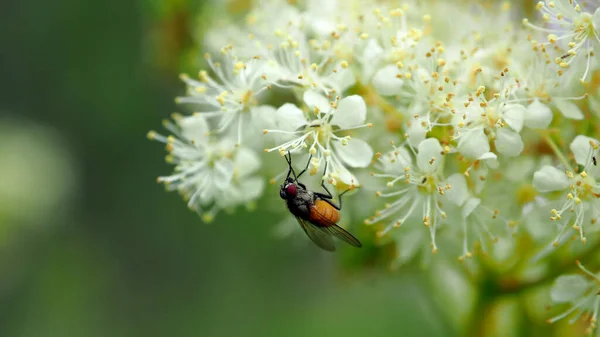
(327, 197)
(306, 168)
(288, 159)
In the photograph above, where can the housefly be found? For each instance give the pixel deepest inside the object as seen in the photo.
(316, 213)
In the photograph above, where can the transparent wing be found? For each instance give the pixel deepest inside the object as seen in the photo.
(332, 229)
(320, 237)
(342, 234)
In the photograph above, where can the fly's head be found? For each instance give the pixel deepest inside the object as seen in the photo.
(288, 189)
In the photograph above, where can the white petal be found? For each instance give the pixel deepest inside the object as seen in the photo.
(582, 150)
(263, 117)
(357, 153)
(470, 206)
(289, 117)
(430, 155)
(223, 173)
(351, 112)
(385, 81)
(509, 143)
(514, 115)
(314, 99)
(539, 116)
(473, 143)
(458, 192)
(194, 128)
(372, 50)
(402, 158)
(568, 288)
(343, 79)
(346, 177)
(549, 179)
(568, 109)
(416, 133)
(251, 188)
(246, 162)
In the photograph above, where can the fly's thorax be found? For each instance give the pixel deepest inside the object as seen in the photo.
(301, 204)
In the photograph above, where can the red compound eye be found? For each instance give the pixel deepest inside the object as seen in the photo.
(291, 190)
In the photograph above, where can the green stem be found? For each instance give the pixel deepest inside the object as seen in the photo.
(557, 152)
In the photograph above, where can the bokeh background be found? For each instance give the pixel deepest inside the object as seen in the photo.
(91, 246)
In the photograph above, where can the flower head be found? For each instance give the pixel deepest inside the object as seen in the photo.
(210, 174)
(231, 97)
(415, 187)
(319, 131)
(581, 293)
(579, 190)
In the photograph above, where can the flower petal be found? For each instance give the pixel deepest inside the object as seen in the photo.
(251, 188)
(223, 173)
(473, 143)
(395, 161)
(290, 117)
(314, 99)
(514, 115)
(509, 143)
(568, 288)
(430, 155)
(539, 116)
(568, 109)
(385, 81)
(263, 117)
(416, 133)
(357, 153)
(582, 150)
(351, 112)
(246, 162)
(194, 128)
(458, 192)
(549, 179)
(470, 206)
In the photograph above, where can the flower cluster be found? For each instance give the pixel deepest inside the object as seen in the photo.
(488, 116)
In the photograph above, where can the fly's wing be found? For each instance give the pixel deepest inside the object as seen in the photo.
(332, 229)
(342, 234)
(320, 237)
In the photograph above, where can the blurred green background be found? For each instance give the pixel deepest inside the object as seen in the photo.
(90, 245)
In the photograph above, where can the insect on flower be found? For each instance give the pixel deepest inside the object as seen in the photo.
(315, 212)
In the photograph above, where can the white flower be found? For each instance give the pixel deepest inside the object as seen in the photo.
(582, 190)
(500, 119)
(421, 185)
(572, 28)
(231, 97)
(581, 292)
(297, 61)
(210, 174)
(476, 221)
(538, 116)
(318, 131)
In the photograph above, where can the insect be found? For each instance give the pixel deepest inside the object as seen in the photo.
(315, 212)
(595, 161)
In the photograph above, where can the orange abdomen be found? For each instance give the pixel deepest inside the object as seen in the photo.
(323, 214)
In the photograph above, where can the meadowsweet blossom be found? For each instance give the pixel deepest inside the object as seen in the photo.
(416, 183)
(210, 174)
(493, 116)
(231, 97)
(581, 293)
(318, 131)
(571, 28)
(580, 194)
